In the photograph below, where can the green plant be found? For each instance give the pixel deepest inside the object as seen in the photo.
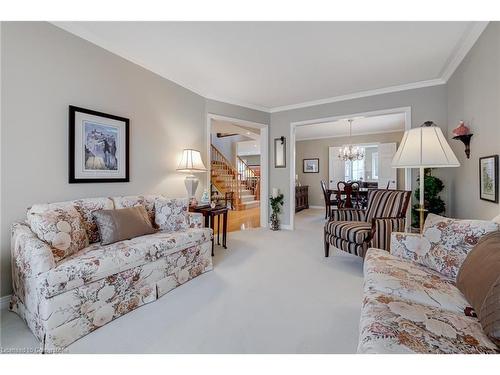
(432, 201)
(276, 204)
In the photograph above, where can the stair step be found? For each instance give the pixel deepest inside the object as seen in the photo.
(247, 198)
(248, 205)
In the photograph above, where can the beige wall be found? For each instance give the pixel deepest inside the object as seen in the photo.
(44, 69)
(474, 96)
(318, 148)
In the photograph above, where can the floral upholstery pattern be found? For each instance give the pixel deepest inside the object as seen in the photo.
(444, 243)
(85, 207)
(96, 262)
(61, 228)
(171, 214)
(60, 320)
(393, 276)
(65, 300)
(148, 201)
(393, 325)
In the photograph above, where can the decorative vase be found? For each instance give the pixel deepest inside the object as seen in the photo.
(275, 222)
(461, 129)
(205, 199)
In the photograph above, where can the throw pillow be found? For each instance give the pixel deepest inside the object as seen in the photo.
(171, 214)
(449, 241)
(122, 224)
(62, 229)
(480, 269)
(489, 315)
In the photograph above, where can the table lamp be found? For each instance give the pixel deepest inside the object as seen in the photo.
(191, 163)
(424, 147)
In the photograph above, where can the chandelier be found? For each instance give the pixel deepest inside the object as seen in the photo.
(351, 152)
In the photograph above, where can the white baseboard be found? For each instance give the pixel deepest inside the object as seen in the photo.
(4, 302)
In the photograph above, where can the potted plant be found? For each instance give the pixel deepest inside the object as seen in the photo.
(432, 201)
(276, 204)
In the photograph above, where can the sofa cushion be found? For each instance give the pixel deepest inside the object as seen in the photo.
(171, 214)
(148, 201)
(96, 262)
(352, 231)
(393, 325)
(123, 224)
(480, 270)
(398, 278)
(446, 242)
(85, 207)
(62, 229)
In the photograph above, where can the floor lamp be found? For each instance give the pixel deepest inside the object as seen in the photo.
(424, 147)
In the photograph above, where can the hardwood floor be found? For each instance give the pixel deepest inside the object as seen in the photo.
(242, 220)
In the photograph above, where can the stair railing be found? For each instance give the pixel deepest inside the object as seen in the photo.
(249, 179)
(220, 163)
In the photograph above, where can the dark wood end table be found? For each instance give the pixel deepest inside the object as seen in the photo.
(210, 214)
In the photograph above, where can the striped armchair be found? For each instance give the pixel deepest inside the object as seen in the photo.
(355, 230)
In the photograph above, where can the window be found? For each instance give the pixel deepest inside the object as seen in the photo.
(375, 165)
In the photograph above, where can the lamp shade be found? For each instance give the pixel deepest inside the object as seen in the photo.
(424, 147)
(191, 162)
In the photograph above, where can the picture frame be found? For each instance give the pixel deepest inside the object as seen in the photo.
(488, 178)
(280, 152)
(310, 165)
(98, 147)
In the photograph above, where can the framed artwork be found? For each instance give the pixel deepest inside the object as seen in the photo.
(488, 178)
(98, 147)
(280, 152)
(310, 166)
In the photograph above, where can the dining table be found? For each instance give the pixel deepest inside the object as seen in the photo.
(362, 193)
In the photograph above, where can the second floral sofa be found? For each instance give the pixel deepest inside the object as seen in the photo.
(62, 300)
(411, 301)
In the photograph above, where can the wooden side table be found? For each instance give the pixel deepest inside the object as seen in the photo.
(210, 214)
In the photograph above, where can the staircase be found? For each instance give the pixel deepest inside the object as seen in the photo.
(242, 181)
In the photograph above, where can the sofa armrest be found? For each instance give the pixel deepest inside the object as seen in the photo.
(408, 245)
(196, 220)
(30, 255)
(347, 214)
(382, 229)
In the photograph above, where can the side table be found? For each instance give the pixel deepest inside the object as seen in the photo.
(210, 214)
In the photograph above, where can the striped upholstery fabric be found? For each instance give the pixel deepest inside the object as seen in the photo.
(350, 247)
(385, 203)
(355, 230)
(348, 214)
(383, 229)
(352, 231)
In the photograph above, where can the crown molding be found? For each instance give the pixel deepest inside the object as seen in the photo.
(463, 47)
(361, 94)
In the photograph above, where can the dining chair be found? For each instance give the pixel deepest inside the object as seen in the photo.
(327, 194)
(348, 194)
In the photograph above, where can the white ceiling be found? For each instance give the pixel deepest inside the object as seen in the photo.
(277, 65)
(340, 128)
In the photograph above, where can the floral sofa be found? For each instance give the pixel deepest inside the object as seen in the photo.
(64, 300)
(411, 303)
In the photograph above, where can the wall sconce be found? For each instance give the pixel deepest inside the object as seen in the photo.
(463, 134)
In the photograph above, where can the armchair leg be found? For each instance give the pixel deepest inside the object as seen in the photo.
(327, 246)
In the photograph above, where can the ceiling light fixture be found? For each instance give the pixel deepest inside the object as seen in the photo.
(351, 152)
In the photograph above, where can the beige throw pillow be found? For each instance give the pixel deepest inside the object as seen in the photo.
(123, 224)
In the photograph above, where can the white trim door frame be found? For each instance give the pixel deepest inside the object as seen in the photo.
(295, 125)
(264, 158)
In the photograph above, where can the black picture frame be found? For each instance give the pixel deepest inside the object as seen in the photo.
(280, 152)
(72, 179)
(304, 165)
(494, 168)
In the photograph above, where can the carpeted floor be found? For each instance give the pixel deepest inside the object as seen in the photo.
(270, 292)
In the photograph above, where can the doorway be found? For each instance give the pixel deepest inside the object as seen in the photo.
(319, 129)
(237, 154)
